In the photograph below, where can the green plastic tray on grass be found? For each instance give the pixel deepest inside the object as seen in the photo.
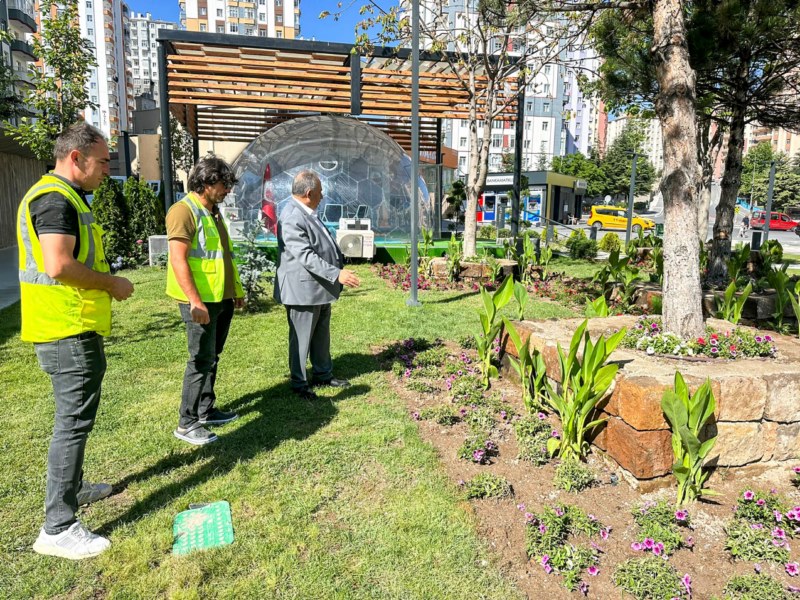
(202, 528)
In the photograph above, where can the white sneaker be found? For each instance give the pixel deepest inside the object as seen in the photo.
(75, 543)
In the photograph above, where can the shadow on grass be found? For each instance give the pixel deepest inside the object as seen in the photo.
(280, 416)
(449, 299)
(10, 322)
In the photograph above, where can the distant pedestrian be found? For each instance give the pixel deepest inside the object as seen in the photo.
(744, 226)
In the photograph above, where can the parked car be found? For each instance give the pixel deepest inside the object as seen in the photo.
(793, 212)
(612, 217)
(778, 221)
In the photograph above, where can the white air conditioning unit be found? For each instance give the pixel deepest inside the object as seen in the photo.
(356, 238)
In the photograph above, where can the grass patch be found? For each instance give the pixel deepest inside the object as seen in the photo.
(335, 499)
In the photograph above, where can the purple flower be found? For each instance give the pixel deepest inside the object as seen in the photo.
(408, 373)
(593, 571)
(479, 455)
(648, 543)
(520, 507)
(767, 338)
(559, 512)
(748, 495)
(637, 546)
(592, 517)
(689, 542)
(503, 414)
(529, 518)
(796, 469)
(584, 588)
(541, 416)
(604, 533)
(681, 515)
(761, 502)
(759, 339)
(542, 528)
(756, 526)
(778, 515)
(554, 434)
(548, 569)
(489, 444)
(714, 350)
(415, 415)
(779, 533)
(792, 569)
(792, 514)
(658, 549)
(687, 583)
(757, 567)
(460, 372)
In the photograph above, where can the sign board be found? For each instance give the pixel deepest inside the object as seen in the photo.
(500, 179)
(580, 186)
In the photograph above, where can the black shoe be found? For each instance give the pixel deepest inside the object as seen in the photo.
(333, 382)
(218, 417)
(305, 394)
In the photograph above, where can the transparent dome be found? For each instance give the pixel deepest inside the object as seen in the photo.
(364, 174)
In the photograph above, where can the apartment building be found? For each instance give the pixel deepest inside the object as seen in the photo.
(18, 17)
(263, 18)
(781, 140)
(143, 52)
(653, 144)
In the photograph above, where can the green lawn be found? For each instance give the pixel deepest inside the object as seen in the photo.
(337, 499)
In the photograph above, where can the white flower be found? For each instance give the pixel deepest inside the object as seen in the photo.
(651, 350)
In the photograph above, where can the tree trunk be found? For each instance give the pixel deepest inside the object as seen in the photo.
(675, 106)
(731, 180)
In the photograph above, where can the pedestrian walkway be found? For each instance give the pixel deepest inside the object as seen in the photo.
(9, 276)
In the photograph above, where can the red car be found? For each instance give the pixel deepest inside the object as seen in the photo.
(778, 222)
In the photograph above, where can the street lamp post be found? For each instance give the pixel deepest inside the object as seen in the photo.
(629, 214)
(768, 211)
(412, 300)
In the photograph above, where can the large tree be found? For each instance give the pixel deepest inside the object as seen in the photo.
(59, 95)
(617, 163)
(588, 169)
(488, 49)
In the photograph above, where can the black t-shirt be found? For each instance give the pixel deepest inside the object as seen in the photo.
(53, 213)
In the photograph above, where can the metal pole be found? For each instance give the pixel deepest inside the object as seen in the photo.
(166, 150)
(768, 212)
(412, 301)
(519, 132)
(629, 214)
(437, 213)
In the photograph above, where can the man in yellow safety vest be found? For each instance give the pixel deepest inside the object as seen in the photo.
(66, 291)
(203, 278)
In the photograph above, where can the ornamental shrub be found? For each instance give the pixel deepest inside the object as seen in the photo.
(610, 242)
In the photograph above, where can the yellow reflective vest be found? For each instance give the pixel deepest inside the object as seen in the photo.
(51, 310)
(206, 258)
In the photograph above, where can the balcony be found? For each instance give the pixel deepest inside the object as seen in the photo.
(23, 48)
(23, 12)
(24, 77)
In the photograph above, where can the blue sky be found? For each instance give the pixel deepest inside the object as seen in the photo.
(325, 30)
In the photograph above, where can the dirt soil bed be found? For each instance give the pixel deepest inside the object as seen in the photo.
(502, 523)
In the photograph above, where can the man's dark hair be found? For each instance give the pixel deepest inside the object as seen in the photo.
(78, 136)
(210, 170)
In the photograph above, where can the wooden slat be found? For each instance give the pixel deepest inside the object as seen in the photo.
(178, 67)
(260, 79)
(256, 63)
(248, 98)
(262, 88)
(300, 105)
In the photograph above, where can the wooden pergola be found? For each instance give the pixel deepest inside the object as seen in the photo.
(234, 88)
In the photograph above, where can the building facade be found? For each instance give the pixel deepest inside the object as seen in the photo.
(653, 143)
(143, 52)
(781, 140)
(18, 18)
(264, 18)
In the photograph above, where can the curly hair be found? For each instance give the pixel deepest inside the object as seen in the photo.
(210, 170)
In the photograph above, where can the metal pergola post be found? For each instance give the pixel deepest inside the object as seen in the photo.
(629, 213)
(412, 300)
(166, 149)
(770, 190)
(519, 132)
(437, 215)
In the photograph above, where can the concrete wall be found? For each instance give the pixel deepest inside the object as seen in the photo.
(17, 175)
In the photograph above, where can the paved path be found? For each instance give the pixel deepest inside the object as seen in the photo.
(9, 277)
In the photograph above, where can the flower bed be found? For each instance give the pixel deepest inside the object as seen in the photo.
(648, 335)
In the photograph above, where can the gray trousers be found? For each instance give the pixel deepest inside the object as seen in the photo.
(76, 366)
(309, 335)
(206, 343)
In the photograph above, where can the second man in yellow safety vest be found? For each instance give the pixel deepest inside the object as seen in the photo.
(203, 278)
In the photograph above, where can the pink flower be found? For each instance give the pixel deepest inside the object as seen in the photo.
(648, 543)
(796, 469)
(761, 502)
(548, 569)
(520, 507)
(681, 515)
(690, 542)
(748, 495)
(792, 569)
(592, 517)
(778, 516)
(415, 416)
(559, 512)
(545, 559)
(636, 546)
(593, 571)
(604, 533)
(687, 583)
(779, 533)
(541, 416)
(658, 549)
(529, 518)
(542, 528)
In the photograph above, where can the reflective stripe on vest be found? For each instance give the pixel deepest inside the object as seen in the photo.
(50, 309)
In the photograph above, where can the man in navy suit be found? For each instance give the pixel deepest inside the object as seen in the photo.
(310, 277)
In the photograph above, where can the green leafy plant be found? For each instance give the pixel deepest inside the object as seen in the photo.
(490, 260)
(527, 258)
(648, 578)
(657, 256)
(780, 280)
(487, 232)
(486, 485)
(580, 246)
(687, 416)
(738, 261)
(747, 541)
(760, 527)
(532, 433)
(658, 522)
(610, 242)
(596, 308)
(530, 368)
(477, 449)
(110, 210)
(454, 257)
(754, 587)
(442, 415)
(573, 476)
(771, 252)
(794, 298)
(729, 306)
(424, 248)
(522, 298)
(487, 341)
(584, 382)
(256, 271)
(545, 255)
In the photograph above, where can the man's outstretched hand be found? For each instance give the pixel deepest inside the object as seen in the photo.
(348, 278)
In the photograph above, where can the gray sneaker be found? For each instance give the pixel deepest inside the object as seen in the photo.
(92, 492)
(199, 436)
(75, 543)
(218, 417)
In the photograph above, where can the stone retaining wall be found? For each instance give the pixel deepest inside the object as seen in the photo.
(471, 272)
(758, 400)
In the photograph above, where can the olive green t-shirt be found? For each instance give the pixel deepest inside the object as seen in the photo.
(180, 226)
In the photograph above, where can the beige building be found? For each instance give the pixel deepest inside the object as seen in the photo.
(142, 52)
(780, 139)
(262, 18)
(653, 144)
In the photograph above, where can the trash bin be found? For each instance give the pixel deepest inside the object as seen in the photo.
(593, 233)
(659, 229)
(755, 242)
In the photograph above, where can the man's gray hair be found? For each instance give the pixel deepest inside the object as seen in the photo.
(304, 182)
(78, 136)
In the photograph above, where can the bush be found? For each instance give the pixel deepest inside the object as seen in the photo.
(442, 415)
(255, 270)
(580, 246)
(487, 232)
(532, 435)
(648, 578)
(610, 242)
(487, 485)
(573, 476)
(754, 587)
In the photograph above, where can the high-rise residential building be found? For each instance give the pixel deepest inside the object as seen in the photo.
(652, 144)
(18, 17)
(781, 140)
(143, 52)
(263, 18)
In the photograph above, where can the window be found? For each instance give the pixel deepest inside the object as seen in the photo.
(248, 31)
(546, 88)
(545, 125)
(262, 33)
(233, 28)
(279, 19)
(278, 3)
(262, 2)
(88, 3)
(464, 123)
(262, 16)
(527, 125)
(528, 106)
(462, 161)
(220, 13)
(90, 32)
(93, 85)
(496, 141)
(203, 11)
(202, 27)
(233, 12)
(89, 18)
(546, 107)
(526, 144)
(462, 142)
(547, 69)
(497, 124)
(249, 13)
(279, 34)
(220, 29)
